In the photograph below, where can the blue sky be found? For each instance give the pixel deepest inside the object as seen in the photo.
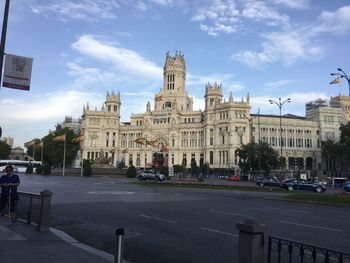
(84, 48)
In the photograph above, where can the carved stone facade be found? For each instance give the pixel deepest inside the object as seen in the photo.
(213, 135)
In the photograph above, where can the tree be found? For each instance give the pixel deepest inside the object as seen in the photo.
(194, 167)
(5, 150)
(53, 151)
(249, 157)
(338, 152)
(131, 172)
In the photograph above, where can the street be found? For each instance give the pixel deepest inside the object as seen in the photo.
(166, 224)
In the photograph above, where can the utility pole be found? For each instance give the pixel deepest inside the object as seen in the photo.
(3, 37)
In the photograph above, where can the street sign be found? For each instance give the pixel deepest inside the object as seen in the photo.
(17, 72)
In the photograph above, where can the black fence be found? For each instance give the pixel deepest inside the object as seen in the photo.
(28, 207)
(287, 251)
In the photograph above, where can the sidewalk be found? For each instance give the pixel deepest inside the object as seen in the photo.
(24, 244)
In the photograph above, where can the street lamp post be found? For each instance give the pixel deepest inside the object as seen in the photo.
(280, 104)
(342, 75)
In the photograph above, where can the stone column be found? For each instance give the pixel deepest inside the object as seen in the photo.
(44, 224)
(251, 241)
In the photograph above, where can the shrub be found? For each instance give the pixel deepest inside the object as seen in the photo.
(164, 170)
(39, 169)
(87, 170)
(46, 169)
(131, 172)
(29, 169)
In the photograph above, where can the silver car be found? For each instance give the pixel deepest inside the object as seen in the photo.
(151, 174)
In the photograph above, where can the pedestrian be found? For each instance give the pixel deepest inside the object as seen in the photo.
(9, 195)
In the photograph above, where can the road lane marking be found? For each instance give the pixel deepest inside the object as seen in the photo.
(289, 210)
(319, 227)
(218, 231)
(160, 219)
(227, 213)
(111, 193)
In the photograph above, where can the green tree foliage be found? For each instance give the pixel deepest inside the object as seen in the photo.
(131, 172)
(53, 151)
(5, 150)
(178, 168)
(205, 168)
(194, 167)
(339, 152)
(87, 170)
(249, 157)
(164, 170)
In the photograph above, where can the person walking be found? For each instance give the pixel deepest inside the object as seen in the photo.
(9, 195)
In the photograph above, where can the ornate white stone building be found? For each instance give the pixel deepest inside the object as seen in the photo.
(174, 133)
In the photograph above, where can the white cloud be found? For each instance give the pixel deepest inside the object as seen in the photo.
(227, 81)
(279, 83)
(296, 106)
(285, 47)
(122, 59)
(83, 9)
(37, 114)
(337, 22)
(261, 12)
(294, 4)
(227, 16)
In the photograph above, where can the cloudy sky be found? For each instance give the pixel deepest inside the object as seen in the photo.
(84, 48)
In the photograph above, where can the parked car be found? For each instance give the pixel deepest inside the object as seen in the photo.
(301, 184)
(263, 181)
(151, 174)
(233, 178)
(347, 186)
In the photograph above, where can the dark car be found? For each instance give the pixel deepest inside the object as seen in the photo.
(263, 181)
(301, 184)
(347, 186)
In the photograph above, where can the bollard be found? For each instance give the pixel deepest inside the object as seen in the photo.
(44, 224)
(251, 241)
(118, 257)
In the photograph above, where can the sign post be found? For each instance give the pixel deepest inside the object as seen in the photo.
(17, 72)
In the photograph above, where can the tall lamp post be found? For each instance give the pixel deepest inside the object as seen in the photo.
(342, 75)
(280, 104)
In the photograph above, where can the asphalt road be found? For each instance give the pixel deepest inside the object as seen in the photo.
(180, 224)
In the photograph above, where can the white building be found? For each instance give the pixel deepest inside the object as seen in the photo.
(174, 133)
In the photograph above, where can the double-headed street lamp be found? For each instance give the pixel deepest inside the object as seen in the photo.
(280, 103)
(342, 75)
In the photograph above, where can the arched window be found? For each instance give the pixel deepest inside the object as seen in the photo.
(168, 104)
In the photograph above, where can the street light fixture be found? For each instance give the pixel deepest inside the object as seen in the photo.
(280, 104)
(342, 75)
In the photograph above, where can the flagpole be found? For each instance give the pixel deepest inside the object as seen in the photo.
(64, 155)
(42, 152)
(34, 151)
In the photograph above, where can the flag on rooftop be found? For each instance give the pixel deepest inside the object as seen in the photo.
(335, 81)
(60, 138)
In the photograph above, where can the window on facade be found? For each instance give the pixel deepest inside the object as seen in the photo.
(109, 107)
(211, 157)
(115, 108)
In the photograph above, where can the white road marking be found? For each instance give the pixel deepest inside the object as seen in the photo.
(111, 193)
(289, 210)
(228, 213)
(218, 231)
(319, 227)
(160, 219)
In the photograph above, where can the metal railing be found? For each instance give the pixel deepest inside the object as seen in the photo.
(28, 207)
(283, 250)
(34, 208)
